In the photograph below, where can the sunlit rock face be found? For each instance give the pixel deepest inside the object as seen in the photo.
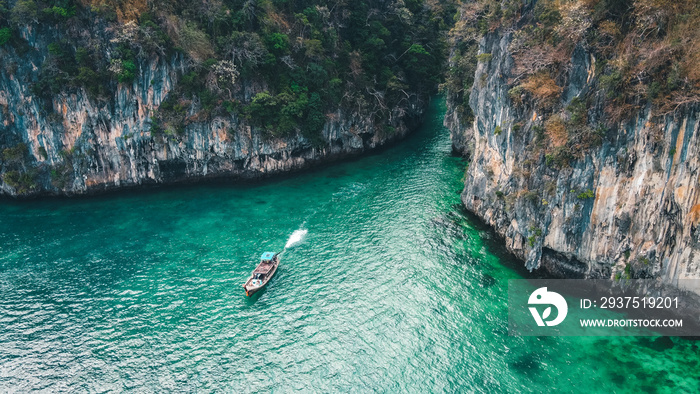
(629, 206)
(78, 144)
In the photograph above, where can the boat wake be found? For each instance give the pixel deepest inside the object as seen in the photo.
(296, 237)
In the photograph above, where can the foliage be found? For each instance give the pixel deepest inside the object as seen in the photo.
(556, 131)
(5, 35)
(22, 182)
(577, 109)
(58, 13)
(16, 153)
(68, 68)
(282, 114)
(24, 11)
(195, 42)
(542, 87)
(645, 49)
(586, 194)
(515, 93)
(531, 240)
(42, 152)
(531, 195)
(123, 64)
(535, 232)
(612, 83)
(62, 174)
(126, 72)
(277, 43)
(484, 57)
(310, 58)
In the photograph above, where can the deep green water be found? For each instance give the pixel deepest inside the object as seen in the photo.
(393, 289)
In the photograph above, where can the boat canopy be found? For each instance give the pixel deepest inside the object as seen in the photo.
(267, 256)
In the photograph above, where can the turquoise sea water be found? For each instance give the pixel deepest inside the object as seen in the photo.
(393, 289)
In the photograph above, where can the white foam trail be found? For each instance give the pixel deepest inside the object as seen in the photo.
(296, 237)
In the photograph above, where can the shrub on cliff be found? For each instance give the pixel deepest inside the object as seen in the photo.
(586, 194)
(282, 114)
(5, 35)
(194, 42)
(556, 131)
(22, 181)
(15, 154)
(543, 88)
(24, 11)
(645, 49)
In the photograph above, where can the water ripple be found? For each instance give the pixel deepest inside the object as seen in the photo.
(392, 290)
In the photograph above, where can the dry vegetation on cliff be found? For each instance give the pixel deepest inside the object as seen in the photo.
(585, 136)
(645, 51)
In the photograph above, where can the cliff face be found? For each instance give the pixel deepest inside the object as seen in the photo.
(90, 101)
(462, 142)
(628, 206)
(80, 144)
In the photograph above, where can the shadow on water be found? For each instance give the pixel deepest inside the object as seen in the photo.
(495, 245)
(252, 299)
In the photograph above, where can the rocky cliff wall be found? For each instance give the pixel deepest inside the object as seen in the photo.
(75, 143)
(627, 206)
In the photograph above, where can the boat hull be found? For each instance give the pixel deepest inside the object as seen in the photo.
(252, 289)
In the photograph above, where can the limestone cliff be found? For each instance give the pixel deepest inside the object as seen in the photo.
(625, 205)
(101, 124)
(93, 145)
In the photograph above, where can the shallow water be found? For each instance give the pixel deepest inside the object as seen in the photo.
(393, 288)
